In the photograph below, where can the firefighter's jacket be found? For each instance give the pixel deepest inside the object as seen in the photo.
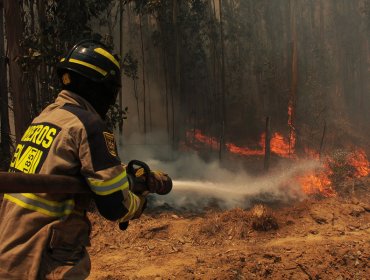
(67, 138)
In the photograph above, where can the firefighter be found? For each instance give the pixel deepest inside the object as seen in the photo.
(43, 236)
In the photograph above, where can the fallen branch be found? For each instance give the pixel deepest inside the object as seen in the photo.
(301, 266)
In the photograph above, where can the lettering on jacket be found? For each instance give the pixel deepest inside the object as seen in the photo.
(33, 148)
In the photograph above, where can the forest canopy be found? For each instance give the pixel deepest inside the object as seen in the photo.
(216, 66)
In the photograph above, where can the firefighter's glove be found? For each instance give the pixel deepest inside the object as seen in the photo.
(159, 183)
(136, 208)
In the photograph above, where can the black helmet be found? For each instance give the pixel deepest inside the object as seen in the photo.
(94, 61)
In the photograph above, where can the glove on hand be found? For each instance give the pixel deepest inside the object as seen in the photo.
(159, 183)
(141, 200)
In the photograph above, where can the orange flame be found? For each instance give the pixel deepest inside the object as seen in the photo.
(279, 145)
(244, 151)
(359, 161)
(317, 182)
(200, 137)
(312, 182)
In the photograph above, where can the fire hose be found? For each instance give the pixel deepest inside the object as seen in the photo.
(40, 183)
(141, 179)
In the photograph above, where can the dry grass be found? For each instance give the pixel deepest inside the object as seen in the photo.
(230, 224)
(263, 218)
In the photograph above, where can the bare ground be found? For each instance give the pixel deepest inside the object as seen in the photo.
(316, 239)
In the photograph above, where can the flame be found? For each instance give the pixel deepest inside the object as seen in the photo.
(358, 160)
(200, 137)
(279, 145)
(243, 151)
(311, 183)
(316, 183)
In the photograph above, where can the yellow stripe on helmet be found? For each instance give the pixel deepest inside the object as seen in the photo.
(107, 55)
(96, 68)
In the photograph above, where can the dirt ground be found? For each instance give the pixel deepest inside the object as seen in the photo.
(318, 238)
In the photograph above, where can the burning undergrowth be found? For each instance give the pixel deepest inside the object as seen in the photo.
(216, 187)
(334, 168)
(201, 184)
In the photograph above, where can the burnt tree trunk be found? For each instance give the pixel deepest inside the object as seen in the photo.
(267, 144)
(14, 27)
(43, 67)
(223, 86)
(4, 111)
(166, 91)
(143, 73)
(121, 57)
(177, 87)
(294, 82)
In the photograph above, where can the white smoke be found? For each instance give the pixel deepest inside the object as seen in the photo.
(198, 183)
(212, 184)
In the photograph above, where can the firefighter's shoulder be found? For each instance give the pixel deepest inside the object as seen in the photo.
(90, 121)
(100, 141)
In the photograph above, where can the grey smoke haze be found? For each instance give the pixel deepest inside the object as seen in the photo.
(198, 183)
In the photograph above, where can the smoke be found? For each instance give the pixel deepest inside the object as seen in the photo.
(198, 183)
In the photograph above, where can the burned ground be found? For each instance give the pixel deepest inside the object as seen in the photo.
(317, 238)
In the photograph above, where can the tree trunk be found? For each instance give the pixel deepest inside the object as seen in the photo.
(223, 86)
(267, 144)
(166, 90)
(121, 57)
(43, 69)
(4, 112)
(18, 92)
(143, 72)
(176, 123)
(294, 82)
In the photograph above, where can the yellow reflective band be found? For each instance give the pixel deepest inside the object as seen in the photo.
(110, 191)
(107, 55)
(133, 203)
(131, 209)
(41, 205)
(101, 187)
(125, 218)
(62, 59)
(101, 183)
(48, 202)
(96, 68)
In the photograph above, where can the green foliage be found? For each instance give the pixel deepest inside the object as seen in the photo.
(115, 116)
(130, 66)
(50, 30)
